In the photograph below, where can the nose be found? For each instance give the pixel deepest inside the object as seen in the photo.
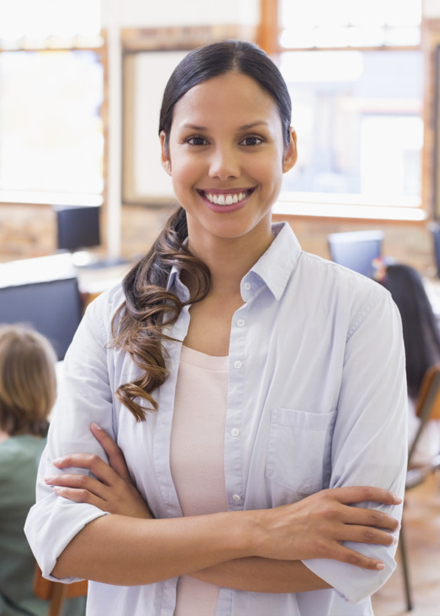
(224, 164)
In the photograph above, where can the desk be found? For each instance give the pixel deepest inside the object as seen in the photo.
(93, 281)
(99, 279)
(50, 294)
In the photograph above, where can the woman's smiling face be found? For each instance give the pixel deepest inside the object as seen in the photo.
(226, 156)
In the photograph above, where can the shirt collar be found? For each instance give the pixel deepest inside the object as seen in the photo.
(176, 286)
(273, 268)
(276, 265)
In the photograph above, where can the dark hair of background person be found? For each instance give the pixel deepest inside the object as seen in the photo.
(420, 331)
(138, 326)
(27, 381)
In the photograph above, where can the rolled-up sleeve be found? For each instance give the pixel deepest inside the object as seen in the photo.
(370, 438)
(84, 397)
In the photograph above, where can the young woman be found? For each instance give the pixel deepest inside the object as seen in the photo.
(256, 392)
(27, 395)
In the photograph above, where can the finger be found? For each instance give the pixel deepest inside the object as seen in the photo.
(370, 517)
(115, 455)
(78, 482)
(366, 534)
(359, 494)
(357, 559)
(92, 462)
(80, 496)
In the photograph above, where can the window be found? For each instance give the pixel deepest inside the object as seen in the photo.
(354, 69)
(52, 84)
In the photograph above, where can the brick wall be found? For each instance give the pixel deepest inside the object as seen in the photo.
(30, 231)
(26, 231)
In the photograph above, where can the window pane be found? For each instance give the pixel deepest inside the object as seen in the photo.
(402, 36)
(51, 134)
(40, 19)
(339, 23)
(359, 36)
(358, 120)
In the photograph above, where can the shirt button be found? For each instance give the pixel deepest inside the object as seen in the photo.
(238, 364)
(241, 322)
(235, 431)
(247, 286)
(236, 498)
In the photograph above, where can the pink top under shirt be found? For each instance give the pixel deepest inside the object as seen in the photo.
(197, 458)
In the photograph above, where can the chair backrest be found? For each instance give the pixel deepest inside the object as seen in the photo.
(56, 592)
(428, 403)
(356, 249)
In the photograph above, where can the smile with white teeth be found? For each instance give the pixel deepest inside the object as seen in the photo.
(226, 199)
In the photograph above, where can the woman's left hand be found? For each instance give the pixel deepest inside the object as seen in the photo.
(112, 490)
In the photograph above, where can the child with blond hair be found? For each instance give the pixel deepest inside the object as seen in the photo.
(27, 395)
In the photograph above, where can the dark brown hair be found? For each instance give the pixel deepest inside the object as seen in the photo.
(27, 380)
(221, 58)
(420, 331)
(148, 308)
(138, 326)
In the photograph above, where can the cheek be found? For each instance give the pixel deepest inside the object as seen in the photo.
(268, 172)
(184, 168)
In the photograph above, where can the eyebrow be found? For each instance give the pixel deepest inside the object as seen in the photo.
(244, 127)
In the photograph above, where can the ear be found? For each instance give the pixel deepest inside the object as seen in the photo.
(290, 153)
(165, 153)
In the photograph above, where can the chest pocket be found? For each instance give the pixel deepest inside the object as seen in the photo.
(299, 448)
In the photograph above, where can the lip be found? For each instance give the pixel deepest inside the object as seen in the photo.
(220, 209)
(225, 191)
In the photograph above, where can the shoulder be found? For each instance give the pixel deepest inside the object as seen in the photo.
(341, 279)
(108, 301)
(103, 308)
(339, 290)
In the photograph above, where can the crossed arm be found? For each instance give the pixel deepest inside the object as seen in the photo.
(259, 551)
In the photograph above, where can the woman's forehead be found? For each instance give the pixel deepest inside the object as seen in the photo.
(232, 97)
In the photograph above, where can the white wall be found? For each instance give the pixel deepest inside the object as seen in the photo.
(431, 8)
(151, 13)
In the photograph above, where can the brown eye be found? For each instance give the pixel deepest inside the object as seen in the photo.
(250, 141)
(196, 141)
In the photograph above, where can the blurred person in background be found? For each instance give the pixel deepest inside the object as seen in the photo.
(27, 395)
(421, 337)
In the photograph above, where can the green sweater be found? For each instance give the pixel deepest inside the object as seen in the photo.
(19, 458)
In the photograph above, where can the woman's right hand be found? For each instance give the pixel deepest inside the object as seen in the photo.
(317, 526)
(111, 488)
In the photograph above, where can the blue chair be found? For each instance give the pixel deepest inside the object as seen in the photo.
(356, 249)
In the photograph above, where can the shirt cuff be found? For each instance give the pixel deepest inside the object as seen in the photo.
(353, 583)
(51, 525)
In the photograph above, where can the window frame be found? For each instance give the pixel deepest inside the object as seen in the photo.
(313, 204)
(16, 197)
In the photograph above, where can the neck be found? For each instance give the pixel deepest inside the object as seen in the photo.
(229, 259)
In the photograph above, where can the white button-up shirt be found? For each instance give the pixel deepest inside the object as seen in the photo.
(316, 399)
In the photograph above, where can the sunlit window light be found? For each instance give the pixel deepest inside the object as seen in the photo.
(40, 20)
(56, 143)
(343, 23)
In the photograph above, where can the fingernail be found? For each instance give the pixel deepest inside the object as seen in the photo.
(95, 426)
(380, 566)
(57, 461)
(397, 498)
(49, 479)
(57, 489)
